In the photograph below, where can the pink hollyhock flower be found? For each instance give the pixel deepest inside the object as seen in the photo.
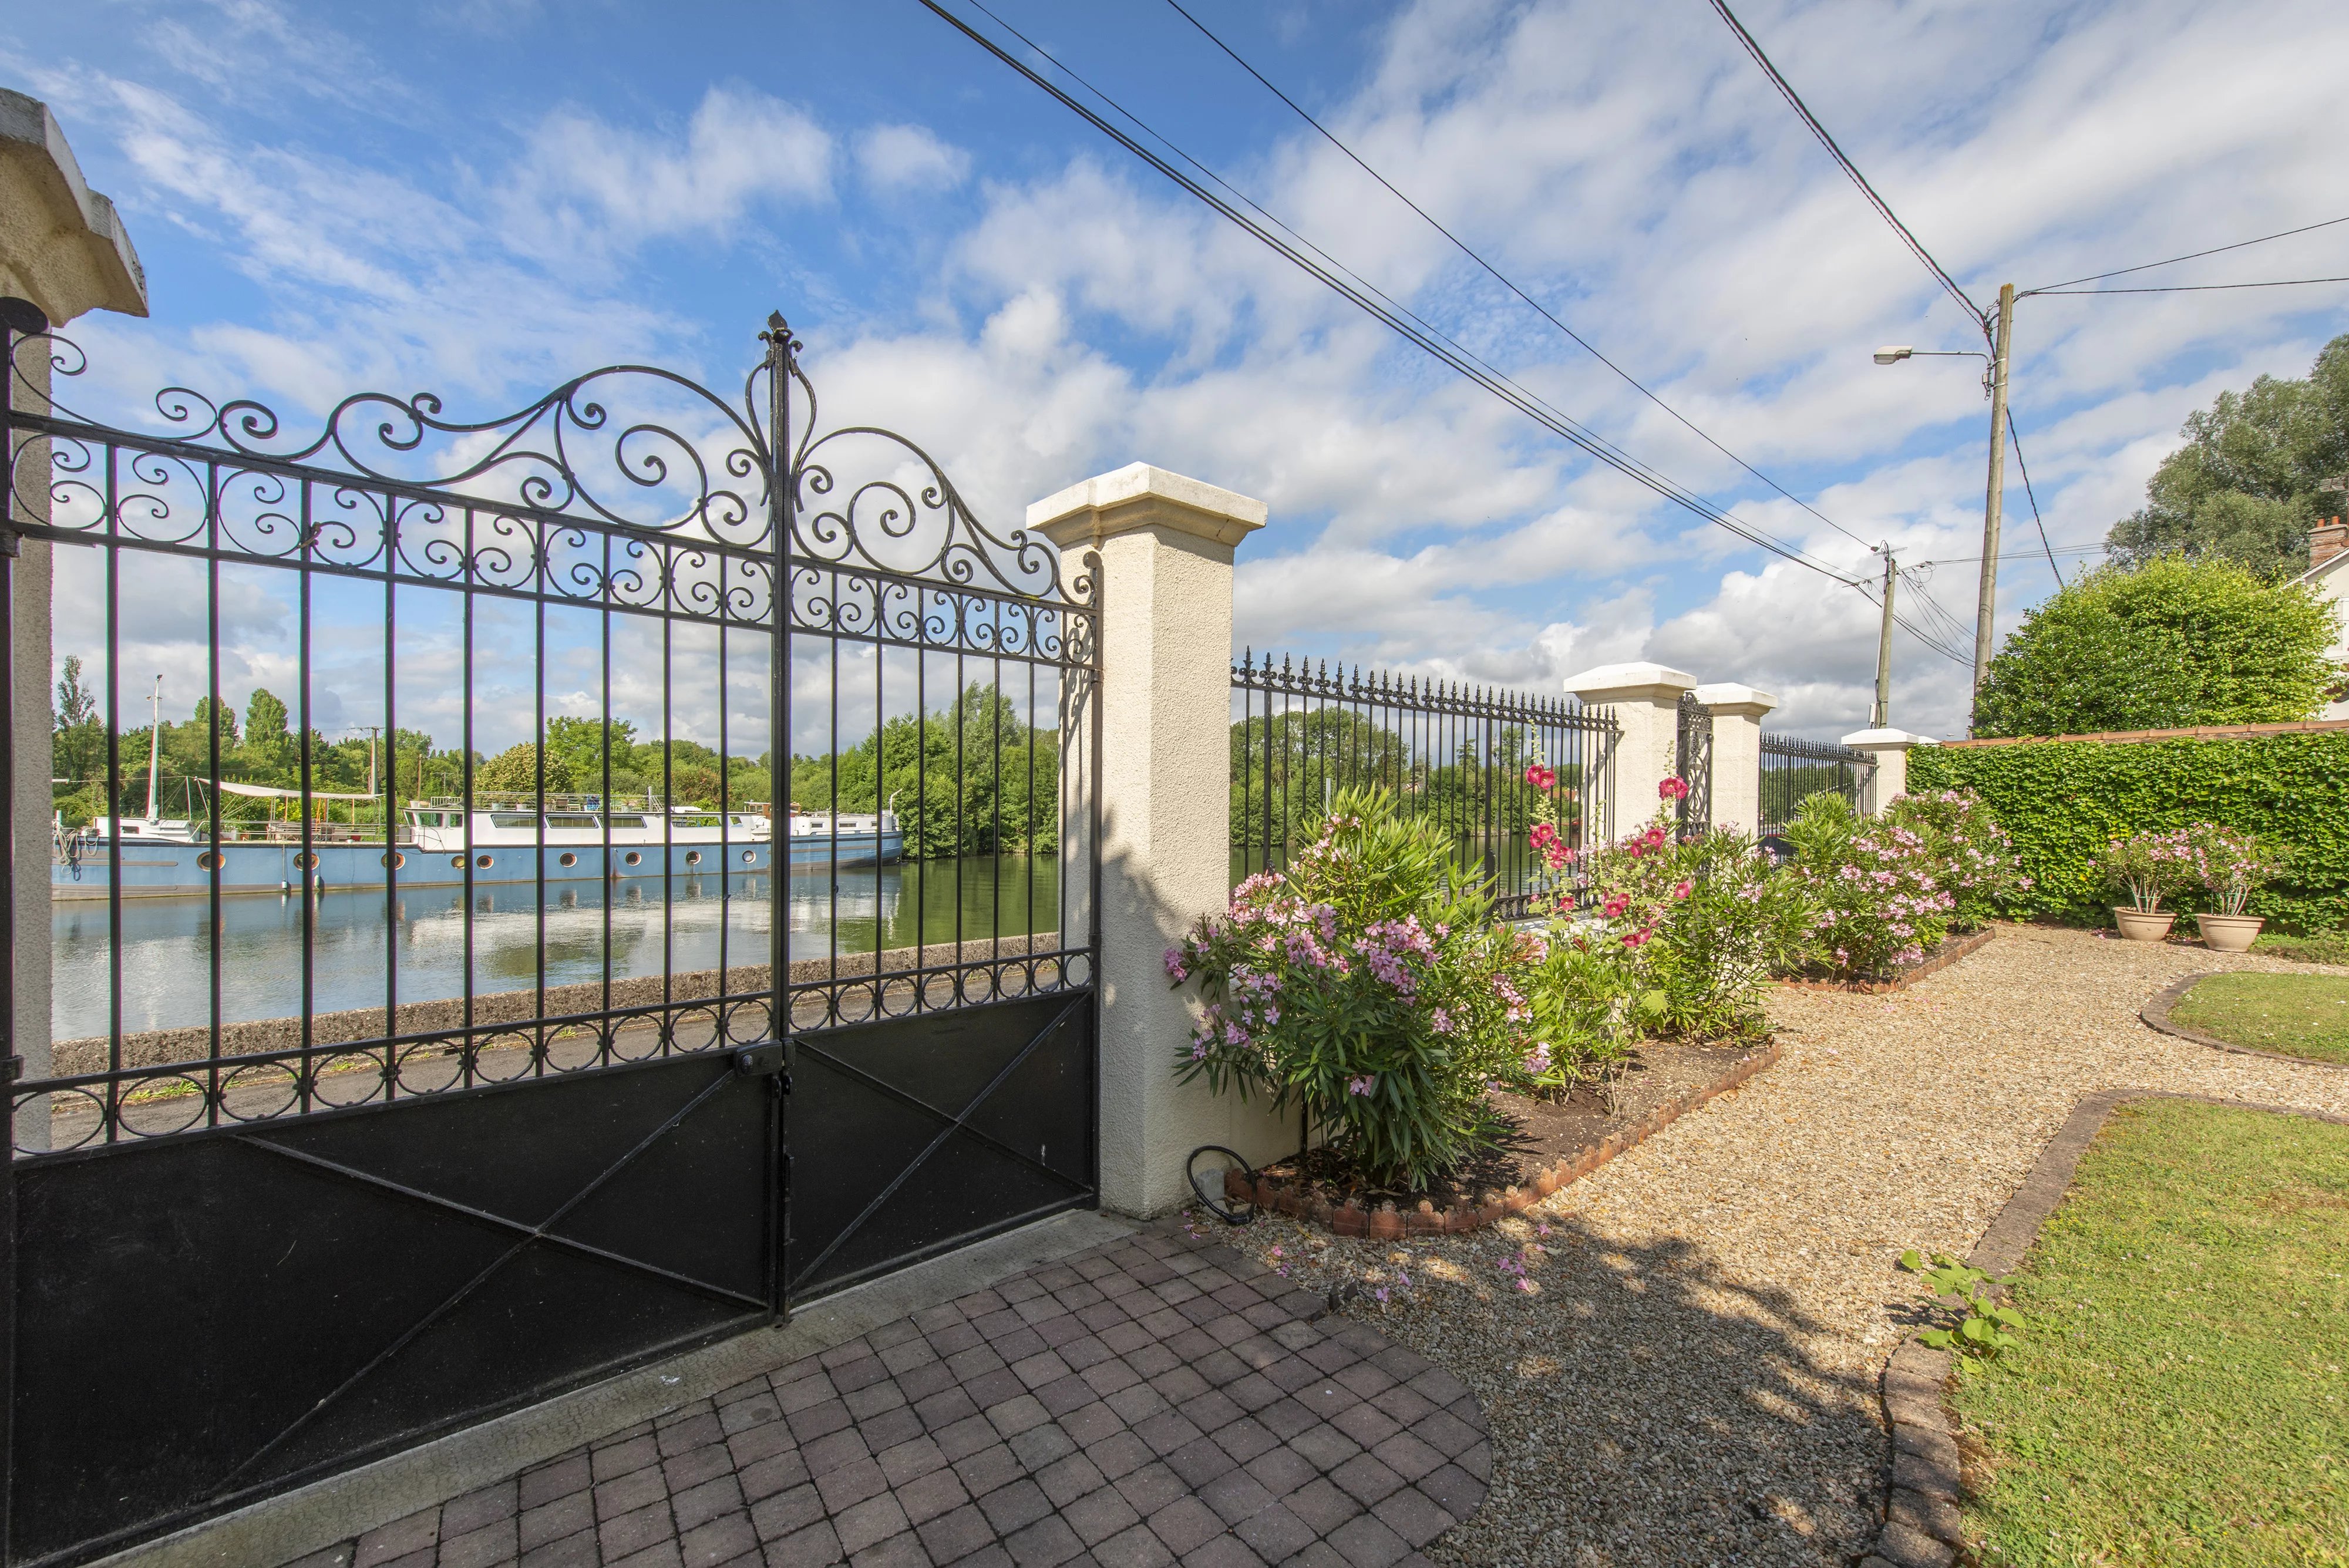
(1634, 939)
(1539, 776)
(1613, 907)
(1683, 889)
(1672, 788)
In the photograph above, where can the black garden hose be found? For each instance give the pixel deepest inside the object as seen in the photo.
(1216, 1201)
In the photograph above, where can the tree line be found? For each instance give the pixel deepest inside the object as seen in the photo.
(260, 746)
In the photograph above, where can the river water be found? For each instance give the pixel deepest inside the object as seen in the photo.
(357, 945)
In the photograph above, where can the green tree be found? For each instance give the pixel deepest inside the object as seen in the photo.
(2174, 643)
(514, 771)
(79, 739)
(2249, 482)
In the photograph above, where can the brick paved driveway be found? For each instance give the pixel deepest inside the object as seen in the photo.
(1148, 1402)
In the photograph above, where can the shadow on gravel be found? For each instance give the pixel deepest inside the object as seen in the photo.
(1646, 1409)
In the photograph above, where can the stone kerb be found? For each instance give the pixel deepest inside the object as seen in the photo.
(1165, 543)
(1890, 749)
(1647, 702)
(1736, 752)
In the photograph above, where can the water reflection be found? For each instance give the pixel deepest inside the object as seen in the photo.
(583, 930)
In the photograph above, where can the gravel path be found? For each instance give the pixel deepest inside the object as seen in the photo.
(1679, 1354)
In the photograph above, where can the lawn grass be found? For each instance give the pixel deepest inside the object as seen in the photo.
(2298, 1015)
(2324, 946)
(2182, 1392)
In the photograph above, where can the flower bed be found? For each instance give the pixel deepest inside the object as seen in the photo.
(1554, 1144)
(1447, 1069)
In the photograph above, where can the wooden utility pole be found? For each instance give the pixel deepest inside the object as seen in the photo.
(1986, 608)
(1884, 652)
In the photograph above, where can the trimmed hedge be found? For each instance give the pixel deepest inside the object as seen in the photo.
(2062, 801)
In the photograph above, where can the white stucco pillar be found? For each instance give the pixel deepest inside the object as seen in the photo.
(63, 252)
(1165, 544)
(1736, 753)
(1646, 698)
(1890, 750)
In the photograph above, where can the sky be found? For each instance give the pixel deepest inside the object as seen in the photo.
(483, 197)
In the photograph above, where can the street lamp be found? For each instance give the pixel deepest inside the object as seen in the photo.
(2001, 337)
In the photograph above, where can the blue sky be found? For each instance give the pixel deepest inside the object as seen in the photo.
(480, 198)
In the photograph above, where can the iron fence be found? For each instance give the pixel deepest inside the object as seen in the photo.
(1454, 753)
(1794, 770)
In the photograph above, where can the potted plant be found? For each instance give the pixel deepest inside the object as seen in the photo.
(2148, 866)
(2230, 864)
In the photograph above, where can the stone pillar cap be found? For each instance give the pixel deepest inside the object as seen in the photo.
(1718, 695)
(1140, 497)
(62, 244)
(1616, 682)
(1886, 740)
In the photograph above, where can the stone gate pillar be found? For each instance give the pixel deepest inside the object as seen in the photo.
(1647, 702)
(63, 252)
(1165, 594)
(1736, 753)
(1891, 778)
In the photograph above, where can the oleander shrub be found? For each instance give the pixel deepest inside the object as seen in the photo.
(1699, 922)
(1876, 894)
(1368, 985)
(2064, 801)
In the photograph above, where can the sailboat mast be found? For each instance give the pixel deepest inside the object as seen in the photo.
(154, 748)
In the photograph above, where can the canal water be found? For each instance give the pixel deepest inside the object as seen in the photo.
(356, 943)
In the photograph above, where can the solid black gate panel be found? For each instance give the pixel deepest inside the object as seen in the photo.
(204, 1317)
(915, 1135)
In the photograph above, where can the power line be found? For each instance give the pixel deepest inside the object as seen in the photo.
(1398, 318)
(2016, 441)
(2191, 255)
(2193, 287)
(1466, 249)
(1843, 161)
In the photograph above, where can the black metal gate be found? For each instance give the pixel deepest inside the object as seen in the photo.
(1692, 759)
(393, 1087)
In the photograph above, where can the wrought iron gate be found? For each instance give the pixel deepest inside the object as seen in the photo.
(376, 1111)
(1692, 759)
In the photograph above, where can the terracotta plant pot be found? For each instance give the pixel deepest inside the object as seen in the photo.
(2139, 926)
(2229, 933)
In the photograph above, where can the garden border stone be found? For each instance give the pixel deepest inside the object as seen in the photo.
(1922, 1527)
(1386, 1223)
(1948, 953)
(2155, 1015)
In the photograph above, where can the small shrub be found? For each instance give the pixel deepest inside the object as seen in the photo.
(1976, 864)
(1368, 985)
(2231, 865)
(1703, 920)
(1876, 891)
(2148, 866)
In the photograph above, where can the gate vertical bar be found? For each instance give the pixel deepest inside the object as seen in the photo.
(782, 484)
(11, 329)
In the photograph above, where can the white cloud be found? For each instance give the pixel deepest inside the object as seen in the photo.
(585, 181)
(909, 158)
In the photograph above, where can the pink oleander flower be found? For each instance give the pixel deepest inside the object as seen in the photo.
(1361, 1086)
(1175, 971)
(1537, 1059)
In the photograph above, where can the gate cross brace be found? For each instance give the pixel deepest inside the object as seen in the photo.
(960, 1122)
(538, 1232)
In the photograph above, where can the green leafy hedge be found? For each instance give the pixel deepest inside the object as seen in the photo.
(2064, 800)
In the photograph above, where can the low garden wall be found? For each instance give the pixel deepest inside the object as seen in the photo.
(2063, 800)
